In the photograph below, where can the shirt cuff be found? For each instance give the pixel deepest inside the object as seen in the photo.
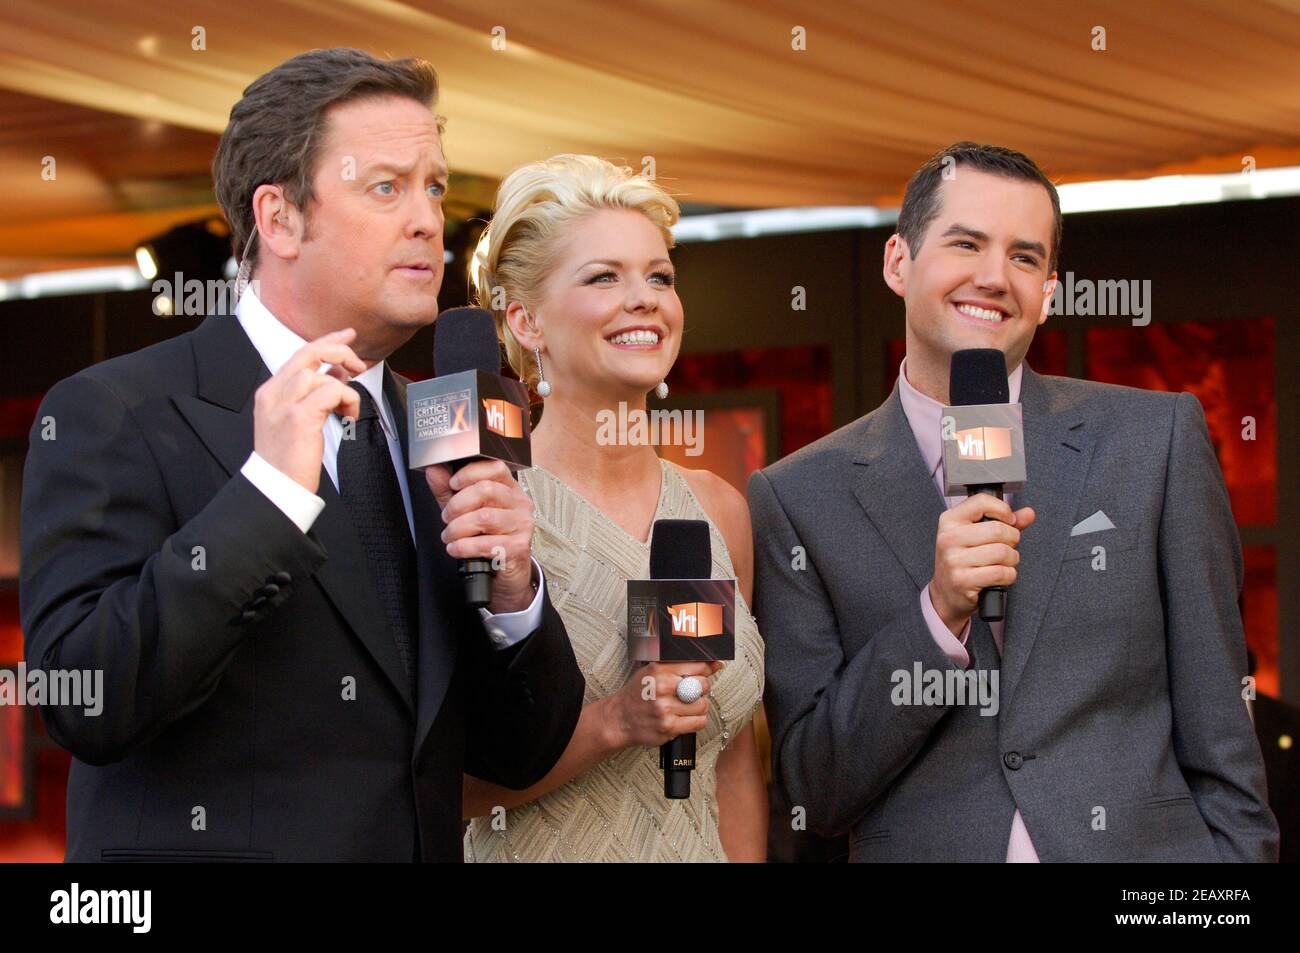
(952, 646)
(507, 628)
(294, 500)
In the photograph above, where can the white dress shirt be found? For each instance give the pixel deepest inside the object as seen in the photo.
(276, 344)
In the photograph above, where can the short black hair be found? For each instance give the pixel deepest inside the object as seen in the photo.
(921, 200)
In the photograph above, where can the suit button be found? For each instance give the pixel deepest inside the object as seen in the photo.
(269, 589)
(283, 578)
(1013, 760)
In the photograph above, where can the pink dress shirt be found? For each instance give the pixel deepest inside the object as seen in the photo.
(924, 415)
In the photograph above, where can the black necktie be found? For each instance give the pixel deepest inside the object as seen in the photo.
(369, 489)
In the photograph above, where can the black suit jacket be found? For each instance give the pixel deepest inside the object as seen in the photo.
(255, 706)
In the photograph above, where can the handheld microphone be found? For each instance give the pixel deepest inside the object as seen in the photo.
(680, 615)
(983, 441)
(468, 412)
(679, 549)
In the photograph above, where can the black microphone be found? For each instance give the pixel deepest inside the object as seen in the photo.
(679, 549)
(467, 412)
(984, 447)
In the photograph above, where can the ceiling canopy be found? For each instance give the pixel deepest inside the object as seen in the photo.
(738, 102)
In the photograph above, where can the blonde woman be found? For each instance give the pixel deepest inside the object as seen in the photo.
(575, 269)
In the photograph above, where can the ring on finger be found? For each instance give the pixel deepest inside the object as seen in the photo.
(690, 689)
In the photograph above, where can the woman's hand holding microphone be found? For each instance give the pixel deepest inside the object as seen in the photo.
(647, 711)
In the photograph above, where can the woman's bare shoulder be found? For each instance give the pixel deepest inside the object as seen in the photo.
(723, 503)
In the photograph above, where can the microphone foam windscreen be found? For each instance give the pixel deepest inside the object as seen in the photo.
(679, 549)
(978, 376)
(465, 339)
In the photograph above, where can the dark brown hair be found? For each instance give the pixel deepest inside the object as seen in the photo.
(921, 200)
(276, 130)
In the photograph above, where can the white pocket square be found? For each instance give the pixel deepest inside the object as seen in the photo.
(1095, 523)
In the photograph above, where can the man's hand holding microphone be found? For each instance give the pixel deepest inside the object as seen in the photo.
(488, 516)
(485, 511)
(974, 548)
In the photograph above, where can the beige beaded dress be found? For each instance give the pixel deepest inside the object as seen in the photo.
(617, 811)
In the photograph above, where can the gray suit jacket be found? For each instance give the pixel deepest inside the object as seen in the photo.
(1121, 732)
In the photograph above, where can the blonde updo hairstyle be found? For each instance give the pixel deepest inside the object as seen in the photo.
(535, 206)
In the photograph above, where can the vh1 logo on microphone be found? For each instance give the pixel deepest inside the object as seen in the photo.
(503, 417)
(695, 620)
(983, 444)
(467, 415)
(681, 620)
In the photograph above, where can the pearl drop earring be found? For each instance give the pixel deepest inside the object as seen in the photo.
(543, 385)
(661, 390)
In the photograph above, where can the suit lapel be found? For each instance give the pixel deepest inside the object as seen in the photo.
(894, 488)
(438, 577)
(1058, 451)
(229, 371)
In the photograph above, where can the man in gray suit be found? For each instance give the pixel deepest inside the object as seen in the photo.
(1103, 720)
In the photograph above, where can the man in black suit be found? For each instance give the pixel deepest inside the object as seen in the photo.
(222, 524)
